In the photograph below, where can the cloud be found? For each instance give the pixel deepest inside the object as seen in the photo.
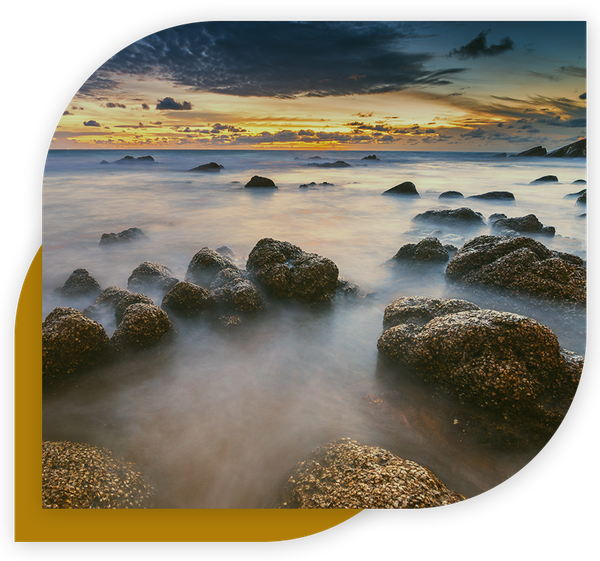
(145, 107)
(91, 124)
(550, 77)
(65, 112)
(111, 105)
(292, 59)
(479, 47)
(572, 70)
(168, 103)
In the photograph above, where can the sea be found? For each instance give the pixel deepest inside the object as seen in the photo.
(216, 419)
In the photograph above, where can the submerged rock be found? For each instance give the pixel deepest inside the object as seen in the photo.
(188, 300)
(508, 368)
(126, 236)
(80, 284)
(545, 179)
(70, 343)
(131, 159)
(427, 250)
(127, 300)
(151, 276)
(521, 264)
(143, 326)
(451, 195)
(258, 181)
(338, 164)
(457, 216)
(524, 225)
(347, 474)
(288, 272)
(205, 265)
(494, 196)
(582, 199)
(208, 167)
(406, 188)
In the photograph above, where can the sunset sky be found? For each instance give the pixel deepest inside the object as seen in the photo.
(474, 86)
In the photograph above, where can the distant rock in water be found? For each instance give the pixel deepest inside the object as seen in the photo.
(584, 215)
(80, 284)
(208, 167)
(126, 236)
(406, 188)
(312, 185)
(338, 164)
(314, 158)
(501, 155)
(462, 215)
(451, 195)
(131, 160)
(536, 151)
(495, 196)
(574, 150)
(151, 276)
(372, 157)
(578, 194)
(545, 179)
(258, 181)
(579, 182)
(428, 250)
(582, 200)
(104, 162)
(524, 225)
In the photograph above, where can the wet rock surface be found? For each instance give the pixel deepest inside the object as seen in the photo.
(521, 264)
(258, 181)
(143, 326)
(71, 342)
(126, 236)
(288, 272)
(524, 225)
(76, 475)
(407, 188)
(347, 474)
(458, 216)
(127, 300)
(151, 276)
(188, 300)
(205, 265)
(80, 284)
(507, 369)
(429, 250)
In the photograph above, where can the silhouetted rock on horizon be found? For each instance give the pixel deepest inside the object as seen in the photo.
(461, 215)
(258, 181)
(372, 157)
(545, 179)
(211, 167)
(576, 149)
(501, 155)
(131, 160)
(407, 188)
(536, 151)
(338, 164)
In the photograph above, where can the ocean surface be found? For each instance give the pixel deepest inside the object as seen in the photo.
(217, 419)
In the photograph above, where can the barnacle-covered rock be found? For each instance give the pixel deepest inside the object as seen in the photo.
(70, 343)
(127, 300)
(288, 272)
(458, 216)
(76, 475)
(524, 225)
(205, 265)
(80, 284)
(142, 326)
(188, 300)
(428, 250)
(106, 302)
(420, 309)
(237, 293)
(347, 474)
(521, 264)
(151, 276)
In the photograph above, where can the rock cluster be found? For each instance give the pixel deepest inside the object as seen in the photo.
(347, 474)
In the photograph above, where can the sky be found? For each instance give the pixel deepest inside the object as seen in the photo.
(451, 86)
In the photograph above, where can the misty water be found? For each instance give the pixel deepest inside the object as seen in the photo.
(216, 419)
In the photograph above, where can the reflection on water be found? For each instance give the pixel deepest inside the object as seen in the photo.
(217, 419)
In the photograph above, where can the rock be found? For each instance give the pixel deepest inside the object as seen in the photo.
(151, 276)
(314, 158)
(106, 302)
(420, 310)
(373, 157)
(427, 250)
(545, 179)
(80, 284)
(496, 216)
(188, 300)
(127, 300)
(520, 264)
(347, 288)
(501, 155)
(347, 474)
(582, 199)
(507, 369)
(143, 326)
(574, 150)
(312, 185)
(406, 188)
(131, 159)
(258, 181)
(236, 292)
(70, 342)
(76, 475)
(584, 215)
(338, 164)
(494, 196)
(103, 162)
(578, 194)
(462, 215)
(451, 195)
(205, 265)
(212, 167)
(579, 182)
(524, 225)
(126, 236)
(288, 272)
(536, 151)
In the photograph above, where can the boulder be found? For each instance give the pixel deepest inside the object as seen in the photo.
(205, 265)
(237, 294)
(71, 342)
(451, 195)
(212, 167)
(143, 326)
(494, 196)
(127, 300)
(578, 194)
(347, 474)
(406, 188)
(126, 236)
(582, 199)
(520, 264)
(579, 182)
(536, 151)
(188, 300)
(509, 370)
(427, 250)
(524, 225)
(258, 181)
(545, 179)
(80, 284)
(574, 150)
(288, 272)
(458, 216)
(338, 164)
(151, 276)
(131, 160)
(106, 302)
(372, 157)
(77, 475)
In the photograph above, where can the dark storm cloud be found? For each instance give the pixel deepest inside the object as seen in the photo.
(65, 112)
(479, 47)
(278, 59)
(111, 105)
(91, 124)
(170, 104)
(583, 96)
